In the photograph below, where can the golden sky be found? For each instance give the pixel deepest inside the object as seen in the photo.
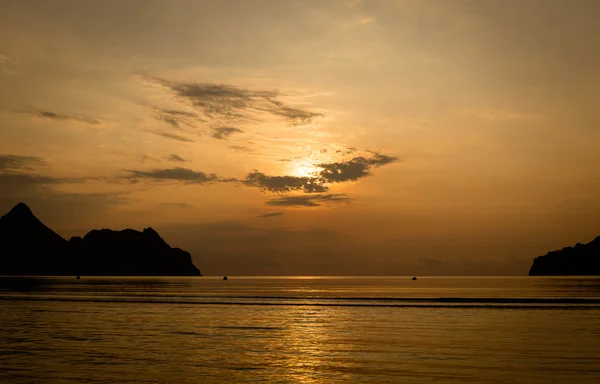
(309, 137)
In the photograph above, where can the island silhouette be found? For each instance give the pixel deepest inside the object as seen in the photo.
(28, 247)
(580, 260)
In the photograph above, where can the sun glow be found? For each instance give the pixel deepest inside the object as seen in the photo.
(303, 169)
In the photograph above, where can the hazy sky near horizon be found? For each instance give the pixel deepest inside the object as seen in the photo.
(309, 137)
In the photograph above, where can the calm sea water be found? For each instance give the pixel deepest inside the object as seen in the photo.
(300, 330)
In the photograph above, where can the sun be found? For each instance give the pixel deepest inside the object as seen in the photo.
(303, 169)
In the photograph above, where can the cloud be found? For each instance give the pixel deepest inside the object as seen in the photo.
(270, 214)
(175, 117)
(19, 180)
(173, 174)
(222, 133)
(367, 20)
(13, 173)
(5, 59)
(309, 200)
(176, 158)
(353, 169)
(172, 136)
(222, 101)
(240, 148)
(14, 162)
(294, 115)
(176, 204)
(63, 116)
(338, 172)
(283, 183)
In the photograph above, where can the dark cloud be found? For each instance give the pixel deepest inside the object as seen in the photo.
(294, 115)
(63, 116)
(283, 183)
(145, 158)
(176, 158)
(309, 200)
(175, 117)
(14, 162)
(222, 101)
(240, 148)
(177, 205)
(270, 214)
(173, 174)
(354, 169)
(172, 136)
(339, 172)
(12, 181)
(222, 133)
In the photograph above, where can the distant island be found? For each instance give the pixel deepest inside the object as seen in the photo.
(28, 247)
(580, 260)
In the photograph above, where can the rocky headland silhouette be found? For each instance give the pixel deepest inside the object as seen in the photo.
(28, 247)
(580, 260)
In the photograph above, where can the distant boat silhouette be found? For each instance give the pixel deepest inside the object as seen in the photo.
(78, 277)
(224, 277)
(414, 278)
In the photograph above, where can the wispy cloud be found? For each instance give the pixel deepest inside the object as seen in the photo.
(240, 148)
(367, 20)
(283, 183)
(294, 115)
(176, 158)
(172, 136)
(270, 214)
(222, 102)
(21, 171)
(223, 133)
(15, 162)
(175, 117)
(325, 173)
(5, 59)
(184, 175)
(64, 116)
(11, 180)
(176, 204)
(353, 169)
(309, 200)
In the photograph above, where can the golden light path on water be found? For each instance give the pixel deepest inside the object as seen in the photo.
(299, 330)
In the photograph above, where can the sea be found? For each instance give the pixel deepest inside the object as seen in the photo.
(300, 330)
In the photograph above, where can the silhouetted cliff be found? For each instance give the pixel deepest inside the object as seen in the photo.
(128, 252)
(583, 259)
(28, 247)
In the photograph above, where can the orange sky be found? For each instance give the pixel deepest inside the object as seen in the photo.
(309, 137)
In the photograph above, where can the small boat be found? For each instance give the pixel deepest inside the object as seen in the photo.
(78, 277)
(224, 277)
(414, 278)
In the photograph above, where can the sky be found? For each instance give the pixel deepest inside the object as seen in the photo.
(341, 137)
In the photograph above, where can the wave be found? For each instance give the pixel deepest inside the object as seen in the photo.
(453, 303)
(459, 300)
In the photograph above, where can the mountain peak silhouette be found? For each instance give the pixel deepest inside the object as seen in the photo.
(28, 247)
(21, 207)
(20, 210)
